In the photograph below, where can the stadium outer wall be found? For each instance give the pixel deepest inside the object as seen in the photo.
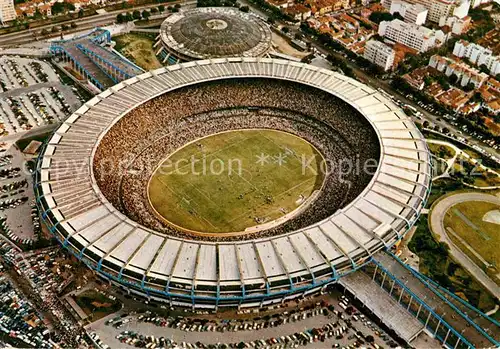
(81, 225)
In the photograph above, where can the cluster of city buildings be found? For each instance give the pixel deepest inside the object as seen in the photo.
(465, 84)
(10, 11)
(344, 28)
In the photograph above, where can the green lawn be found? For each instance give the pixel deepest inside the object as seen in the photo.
(466, 220)
(441, 151)
(139, 49)
(226, 189)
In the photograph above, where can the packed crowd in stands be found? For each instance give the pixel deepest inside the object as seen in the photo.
(132, 149)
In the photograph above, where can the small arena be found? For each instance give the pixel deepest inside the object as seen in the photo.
(212, 32)
(232, 182)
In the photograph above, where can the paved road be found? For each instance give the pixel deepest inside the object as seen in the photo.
(437, 226)
(25, 36)
(108, 333)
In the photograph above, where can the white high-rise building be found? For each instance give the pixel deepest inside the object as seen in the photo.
(438, 9)
(412, 13)
(477, 55)
(7, 11)
(414, 36)
(380, 54)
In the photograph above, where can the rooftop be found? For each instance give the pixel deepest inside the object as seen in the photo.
(210, 32)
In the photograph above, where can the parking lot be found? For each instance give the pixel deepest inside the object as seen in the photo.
(324, 324)
(32, 95)
(19, 220)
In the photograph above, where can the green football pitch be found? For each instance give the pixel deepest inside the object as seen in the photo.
(231, 181)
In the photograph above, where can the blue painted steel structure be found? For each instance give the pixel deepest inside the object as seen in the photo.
(426, 307)
(444, 299)
(104, 68)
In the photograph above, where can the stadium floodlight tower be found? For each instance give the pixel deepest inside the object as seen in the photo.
(212, 32)
(91, 178)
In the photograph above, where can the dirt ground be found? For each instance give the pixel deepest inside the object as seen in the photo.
(139, 49)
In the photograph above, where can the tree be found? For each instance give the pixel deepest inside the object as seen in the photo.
(136, 14)
(73, 25)
(57, 8)
(120, 18)
(80, 13)
(469, 87)
(177, 6)
(64, 27)
(370, 339)
(453, 78)
(154, 10)
(426, 124)
(161, 8)
(285, 30)
(44, 32)
(378, 17)
(244, 9)
(54, 29)
(146, 14)
(62, 7)
(175, 9)
(484, 68)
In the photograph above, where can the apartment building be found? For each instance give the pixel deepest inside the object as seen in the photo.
(413, 36)
(380, 54)
(438, 9)
(7, 11)
(477, 55)
(412, 13)
(465, 73)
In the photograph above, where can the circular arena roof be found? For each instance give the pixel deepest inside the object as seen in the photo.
(211, 32)
(80, 216)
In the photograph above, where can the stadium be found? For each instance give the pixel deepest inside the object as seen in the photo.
(212, 32)
(96, 181)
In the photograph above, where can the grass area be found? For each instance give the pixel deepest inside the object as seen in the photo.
(139, 49)
(217, 185)
(466, 220)
(436, 263)
(24, 142)
(439, 166)
(96, 305)
(441, 151)
(485, 179)
(442, 187)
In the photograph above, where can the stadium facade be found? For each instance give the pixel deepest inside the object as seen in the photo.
(212, 32)
(247, 273)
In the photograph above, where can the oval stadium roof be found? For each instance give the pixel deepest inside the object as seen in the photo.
(81, 217)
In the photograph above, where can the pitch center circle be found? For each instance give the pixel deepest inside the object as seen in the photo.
(237, 182)
(216, 24)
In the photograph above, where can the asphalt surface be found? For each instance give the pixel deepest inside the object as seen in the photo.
(97, 20)
(436, 218)
(108, 333)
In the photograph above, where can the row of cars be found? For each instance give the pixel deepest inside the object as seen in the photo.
(18, 72)
(19, 320)
(22, 110)
(204, 325)
(452, 119)
(41, 268)
(32, 109)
